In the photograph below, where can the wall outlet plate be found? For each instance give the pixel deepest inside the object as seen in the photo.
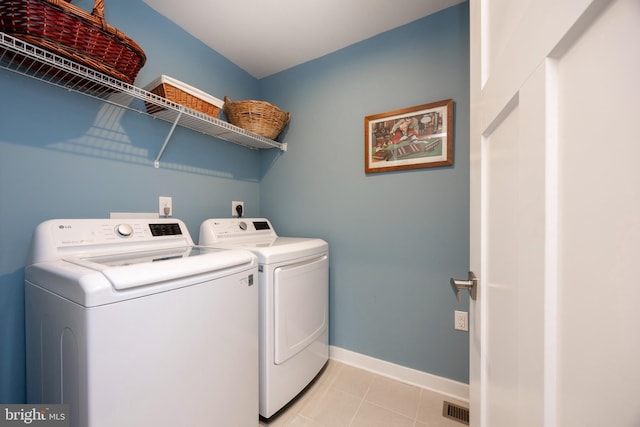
(165, 207)
(461, 320)
(234, 212)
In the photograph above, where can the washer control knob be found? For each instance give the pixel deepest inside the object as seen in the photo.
(124, 230)
(242, 225)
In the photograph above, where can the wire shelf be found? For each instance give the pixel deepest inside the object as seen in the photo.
(31, 61)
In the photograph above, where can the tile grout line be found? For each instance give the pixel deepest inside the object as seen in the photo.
(415, 418)
(327, 388)
(362, 399)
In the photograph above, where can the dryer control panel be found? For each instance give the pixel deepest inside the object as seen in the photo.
(218, 230)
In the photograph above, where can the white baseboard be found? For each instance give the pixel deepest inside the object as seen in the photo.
(454, 389)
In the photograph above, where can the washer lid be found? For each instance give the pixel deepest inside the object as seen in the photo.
(129, 270)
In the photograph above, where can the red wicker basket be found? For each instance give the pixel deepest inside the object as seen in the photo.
(71, 32)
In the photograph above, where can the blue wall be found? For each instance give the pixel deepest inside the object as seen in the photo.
(395, 237)
(63, 155)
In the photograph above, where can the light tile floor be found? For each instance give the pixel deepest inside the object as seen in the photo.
(344, 396)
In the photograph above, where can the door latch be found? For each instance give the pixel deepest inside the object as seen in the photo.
(470, 284)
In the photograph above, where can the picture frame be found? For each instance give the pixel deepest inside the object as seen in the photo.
(409, 138)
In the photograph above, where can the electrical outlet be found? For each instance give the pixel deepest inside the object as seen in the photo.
(461, 320)
(234, 207)
(165, 208)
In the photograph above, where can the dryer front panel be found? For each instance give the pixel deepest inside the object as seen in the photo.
(301, 306)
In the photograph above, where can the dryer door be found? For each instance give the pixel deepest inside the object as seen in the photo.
(301, 305)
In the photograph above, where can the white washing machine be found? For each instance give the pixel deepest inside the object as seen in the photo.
(294, 303)
(132, 325)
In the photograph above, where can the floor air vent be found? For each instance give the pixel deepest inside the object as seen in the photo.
(455, 412)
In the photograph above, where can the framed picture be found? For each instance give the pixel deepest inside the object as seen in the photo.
(410, 138)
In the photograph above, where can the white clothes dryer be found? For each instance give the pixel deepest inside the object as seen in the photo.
(131, 325)
(293, 280)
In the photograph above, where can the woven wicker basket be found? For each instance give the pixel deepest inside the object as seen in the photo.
(69, 31)
(256, 116)
(183, 94)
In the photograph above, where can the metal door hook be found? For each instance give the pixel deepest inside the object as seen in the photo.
(471, 285)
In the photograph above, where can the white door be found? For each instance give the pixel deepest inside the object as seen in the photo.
(555, 213)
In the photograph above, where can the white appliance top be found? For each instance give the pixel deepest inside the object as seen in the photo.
(58, 238)
(219, 230)
(258, 235)
(105, 256)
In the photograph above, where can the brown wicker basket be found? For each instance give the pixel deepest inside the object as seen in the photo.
(256, 116)
(183, 94)
(71, 32)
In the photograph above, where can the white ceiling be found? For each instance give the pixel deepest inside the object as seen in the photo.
(264, 37)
